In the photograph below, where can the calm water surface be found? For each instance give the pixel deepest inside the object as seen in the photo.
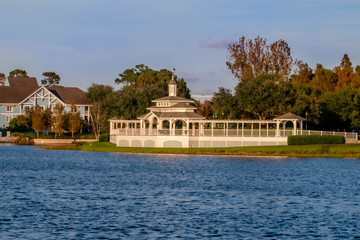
(86, 195)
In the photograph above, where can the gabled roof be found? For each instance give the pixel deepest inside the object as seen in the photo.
(70, 95)
(290, 116)
(173, 99)
(167, 115)
(180, 105)
(19, 89)
(189, 115)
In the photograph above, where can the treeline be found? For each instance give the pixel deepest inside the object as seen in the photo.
(57, 121)
(271, 83)
(139, 85)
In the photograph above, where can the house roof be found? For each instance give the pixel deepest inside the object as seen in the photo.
(173, 99)
(70, 95)
(19, 89)
(290, 116)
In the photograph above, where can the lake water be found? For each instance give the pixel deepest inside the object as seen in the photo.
(89, 195)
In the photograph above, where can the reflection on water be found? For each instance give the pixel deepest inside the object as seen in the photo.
(83, 195)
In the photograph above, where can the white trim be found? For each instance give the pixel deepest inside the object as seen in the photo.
(9, 114)
(11, 107)
(8, 118)
(48, 92)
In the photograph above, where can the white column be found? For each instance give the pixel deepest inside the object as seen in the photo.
(187, 127)
(242, 129)
(227, 129)
(170, 126)
(267, 129)
(252, 129)
(212, 129)
(284, 129)
(259, 129)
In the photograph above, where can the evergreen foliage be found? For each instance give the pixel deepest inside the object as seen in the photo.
(315, 139)
(104, 137)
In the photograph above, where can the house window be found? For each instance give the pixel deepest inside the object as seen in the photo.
(9, 108)
(8, 118)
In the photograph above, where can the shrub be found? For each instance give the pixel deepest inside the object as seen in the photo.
(24, 135)
(104, 137)
(24, 141)
(315, 139)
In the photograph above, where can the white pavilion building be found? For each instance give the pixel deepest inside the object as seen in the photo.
(173, 122)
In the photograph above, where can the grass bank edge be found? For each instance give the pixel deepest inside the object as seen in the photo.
(328, 150)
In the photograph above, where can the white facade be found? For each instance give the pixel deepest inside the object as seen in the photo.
(172, 122)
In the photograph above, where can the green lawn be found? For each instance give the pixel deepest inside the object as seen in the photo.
(331, 150)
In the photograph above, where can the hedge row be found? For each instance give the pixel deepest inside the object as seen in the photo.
(52, 135)
(315, 139)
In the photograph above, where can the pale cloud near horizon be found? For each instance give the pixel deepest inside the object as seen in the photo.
(217, 44)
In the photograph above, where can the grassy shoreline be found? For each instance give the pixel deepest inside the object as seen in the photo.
(327, 151)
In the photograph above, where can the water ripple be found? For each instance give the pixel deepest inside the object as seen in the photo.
(86, 195)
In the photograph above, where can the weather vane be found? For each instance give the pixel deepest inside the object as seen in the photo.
(173, 70)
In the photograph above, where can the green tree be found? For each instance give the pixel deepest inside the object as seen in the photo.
(58, 119)
(37, 120)
(20, 123)
(308, 102)
(265, 96)
(18, 73)
(51, 79)
(97, 119)
(341, 110)
(223, 104)
(140, 85)
(108, 99)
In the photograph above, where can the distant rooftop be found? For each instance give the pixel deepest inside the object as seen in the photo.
(202, 98)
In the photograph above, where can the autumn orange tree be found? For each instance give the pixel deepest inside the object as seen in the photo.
(344, 72)
(204, 109)
(2, 79)
(74, 120)
(37, 120)
(250, 58)
(58, 119)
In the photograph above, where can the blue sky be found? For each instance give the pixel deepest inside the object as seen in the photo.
(92, 41)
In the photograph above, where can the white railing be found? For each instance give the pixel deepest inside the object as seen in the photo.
(347, 135)
(226, 132)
